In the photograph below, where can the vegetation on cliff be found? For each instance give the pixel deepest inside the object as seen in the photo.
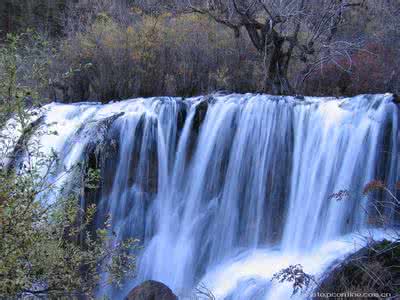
(46, 247)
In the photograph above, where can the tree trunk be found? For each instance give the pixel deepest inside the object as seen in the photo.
(276, 60)
(276, 68)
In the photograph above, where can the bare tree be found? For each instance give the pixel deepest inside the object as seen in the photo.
(285, 30)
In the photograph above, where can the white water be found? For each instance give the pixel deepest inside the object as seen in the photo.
(231, 199)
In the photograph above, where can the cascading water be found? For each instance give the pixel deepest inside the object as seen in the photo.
(229, 189)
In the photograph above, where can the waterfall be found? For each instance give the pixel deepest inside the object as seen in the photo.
(226, 190)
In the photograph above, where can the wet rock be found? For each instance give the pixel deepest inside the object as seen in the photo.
(100, 154)
(201, 111)
(102, 147)
(200, 115)
(151, 290)
(181, 116)
(372, 269)
(20, 148)
(144, 157)
(396, 99)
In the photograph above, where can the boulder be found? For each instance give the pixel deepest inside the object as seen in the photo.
(151, 290)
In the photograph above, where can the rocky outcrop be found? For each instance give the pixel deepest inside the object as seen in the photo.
(151, 290)
(21, 146)
(373, 269)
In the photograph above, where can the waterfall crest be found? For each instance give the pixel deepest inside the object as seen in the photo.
(228, 189)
